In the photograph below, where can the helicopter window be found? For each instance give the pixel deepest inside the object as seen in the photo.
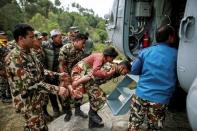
(113, 14)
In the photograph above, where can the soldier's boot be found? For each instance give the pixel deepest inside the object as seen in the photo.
(47, 117)
(43, 128)
(6, 99)
(100, 119)
(68, 116)
(94, 120)
(0, 94)
(79, 112)
(55, 106)
(56, 113)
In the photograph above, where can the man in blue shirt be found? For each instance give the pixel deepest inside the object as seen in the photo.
(156, 67)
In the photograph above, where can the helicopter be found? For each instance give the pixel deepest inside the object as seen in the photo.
(131, 27)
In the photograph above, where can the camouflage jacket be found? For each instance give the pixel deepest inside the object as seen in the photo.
(3, 52)
(39, 54)
(70, 56)
(25, 76)
(99, 81)
(11, 44)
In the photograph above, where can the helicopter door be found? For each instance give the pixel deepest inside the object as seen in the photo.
(187, 61)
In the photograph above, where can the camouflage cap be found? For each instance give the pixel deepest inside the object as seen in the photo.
(37, 34)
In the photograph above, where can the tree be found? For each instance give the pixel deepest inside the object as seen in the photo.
(39, 22)
(57, 3)
(101, 25)
(91, 20)
(65, 21)
(10, 15)
(4, 2)
(102, 34)
(80, 22)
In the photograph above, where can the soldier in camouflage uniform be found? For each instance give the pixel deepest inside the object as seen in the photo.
(91, 84)
(4, 85)
(70, 54)
(38, 52)
(26, 79)
(91, 67)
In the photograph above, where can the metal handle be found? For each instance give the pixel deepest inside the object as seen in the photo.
(185, 24)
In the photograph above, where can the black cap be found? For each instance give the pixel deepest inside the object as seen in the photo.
(81, 36)
(44, 34)
(110, 51)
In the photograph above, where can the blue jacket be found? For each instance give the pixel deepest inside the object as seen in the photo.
(156, 66)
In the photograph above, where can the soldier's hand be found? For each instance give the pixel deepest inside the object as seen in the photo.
(63, 91)
(75, 93)
(63, 76)
(75, 84)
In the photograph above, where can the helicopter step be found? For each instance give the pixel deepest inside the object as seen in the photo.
(120, 98)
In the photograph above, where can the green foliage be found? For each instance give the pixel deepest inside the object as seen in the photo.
(99, 47)
(10, 15)
(57, 3)
(39, 22)
(81, 23)
(43, 15)
(91, 20)
(95, 37)
(65, 21)
(101, 25)
(4, 2)
(102, 34)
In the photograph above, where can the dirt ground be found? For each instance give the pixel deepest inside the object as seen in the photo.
(10, 121)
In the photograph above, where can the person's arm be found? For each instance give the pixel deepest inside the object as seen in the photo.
(61, 59)
(82, 80)
(61, 66)
(136, 68)
(97, 72)
(22, 79)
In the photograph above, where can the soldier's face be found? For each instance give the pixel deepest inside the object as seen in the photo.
(80, 44)
(37, 43)
(29, 39)
(58, 39)
(122, 70)
(110, 59)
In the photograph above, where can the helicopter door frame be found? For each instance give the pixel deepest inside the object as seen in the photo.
(113, 16)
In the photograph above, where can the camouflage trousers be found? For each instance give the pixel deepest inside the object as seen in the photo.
(34, 122)
(140, 109)
(97, 97)
(32, 113)
(4, 87)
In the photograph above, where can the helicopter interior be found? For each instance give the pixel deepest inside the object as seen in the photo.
(147, 15)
